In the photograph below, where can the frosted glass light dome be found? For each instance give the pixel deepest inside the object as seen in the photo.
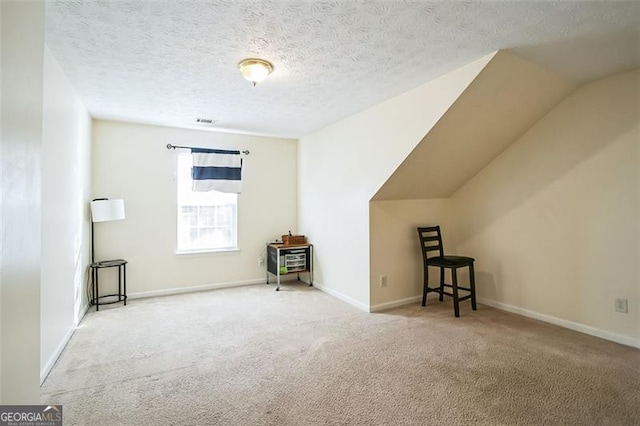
(255, 70)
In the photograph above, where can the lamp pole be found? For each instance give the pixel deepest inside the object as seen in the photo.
(92, 247)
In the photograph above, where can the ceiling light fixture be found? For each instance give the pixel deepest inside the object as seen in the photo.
(255, 70)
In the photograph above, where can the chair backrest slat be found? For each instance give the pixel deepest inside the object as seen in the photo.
(434, 238)
(427, 240)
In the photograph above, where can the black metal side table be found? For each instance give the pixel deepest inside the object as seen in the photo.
(122, 282)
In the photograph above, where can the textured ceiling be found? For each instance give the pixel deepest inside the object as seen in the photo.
(168, 62)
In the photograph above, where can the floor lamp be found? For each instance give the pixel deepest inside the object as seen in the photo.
(105, 210)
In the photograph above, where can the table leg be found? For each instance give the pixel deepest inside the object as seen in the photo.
(310, 266)
(124, 273)
(95, 295)
(119, 283)
(278, 269)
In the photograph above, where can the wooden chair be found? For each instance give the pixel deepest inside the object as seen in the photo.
(431, 240)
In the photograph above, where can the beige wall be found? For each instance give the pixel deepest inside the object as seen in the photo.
(22, 29)
(483, 121)
(343, 165)
(507, 97)
(553, 221)
(66, 158)
(130, 161)
(395, 251)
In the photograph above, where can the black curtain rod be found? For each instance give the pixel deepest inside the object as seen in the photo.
(169, 146)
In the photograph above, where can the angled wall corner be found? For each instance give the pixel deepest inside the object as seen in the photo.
(504, 100)
(343, 165)
(508, 97)
(395, 252)
(554, 222)
(66, 163)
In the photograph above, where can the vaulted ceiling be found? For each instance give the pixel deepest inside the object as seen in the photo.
(169, 62)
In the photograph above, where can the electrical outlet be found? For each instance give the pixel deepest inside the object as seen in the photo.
(383, 280)
(622, 305)
(260, 261)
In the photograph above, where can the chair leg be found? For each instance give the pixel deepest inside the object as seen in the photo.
(454, 283)
(472, 286)
(441, 284)
(426, 285)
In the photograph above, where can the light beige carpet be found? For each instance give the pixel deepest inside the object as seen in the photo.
(253, 356)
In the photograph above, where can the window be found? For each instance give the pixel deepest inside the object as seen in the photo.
(206, 220)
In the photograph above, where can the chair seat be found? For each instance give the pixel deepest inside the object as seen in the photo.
(450, 261)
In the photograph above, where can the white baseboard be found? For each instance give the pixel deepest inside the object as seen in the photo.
(394, 304)
(84, 314)
(341, 296)
(194, 289)
(44, 372)
(614, 337)
(592, 331)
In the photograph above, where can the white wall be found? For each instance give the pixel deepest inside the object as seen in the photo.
(22, 30)
(343, 165)
(130, 161)
(395, 251)
(66, 143)
(553, 221)
(1, 204)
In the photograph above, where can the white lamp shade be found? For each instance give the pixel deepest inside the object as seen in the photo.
(107, 210)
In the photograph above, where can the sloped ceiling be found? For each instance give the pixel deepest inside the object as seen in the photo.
(168, 62)
(504, 100)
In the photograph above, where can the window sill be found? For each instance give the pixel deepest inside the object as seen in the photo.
(207, 251)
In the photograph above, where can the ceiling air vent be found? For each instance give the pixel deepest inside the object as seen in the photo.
(206, 121)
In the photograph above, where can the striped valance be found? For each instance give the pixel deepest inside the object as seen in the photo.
(216, 170)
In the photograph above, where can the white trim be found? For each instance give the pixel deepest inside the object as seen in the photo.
(84, 314)
(206, 251)
(180, 290)
(63, 344)
(394, 304)
(400, 302)
(614, 337)
(341, 296)
(44, 372)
